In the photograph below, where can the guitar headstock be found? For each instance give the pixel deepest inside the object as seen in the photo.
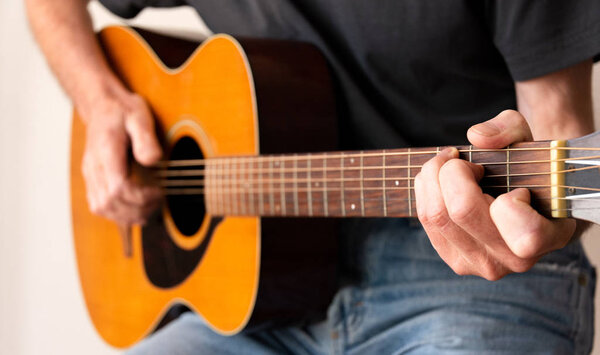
(582, 177)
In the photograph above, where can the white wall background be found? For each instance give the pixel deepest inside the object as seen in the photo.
(41, 306)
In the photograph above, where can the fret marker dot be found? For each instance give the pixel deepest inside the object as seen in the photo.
(351, 160)
(397, 182)
(276, 163)
(316, 184)
(352, 206)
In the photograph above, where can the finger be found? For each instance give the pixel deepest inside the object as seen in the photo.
(427, 198)
(98, 189)
(430, 203)
(137, 195)
(139, 124)
(90, 190)
(123, 212)
(467, 206)
(110, 153)
(432, 212)
(507, 128)
(527, 233)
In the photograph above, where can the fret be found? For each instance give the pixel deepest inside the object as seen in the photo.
(289, 179)
(208, 193)
(232, 188)
(228, 190)
(383, 158)
(471, 153)
(221, 195)
(282, 186)
(308, 185)
(325, 193)
(508, 169)
(250, 174)
(352, 185)
(296, 209)
(362, 190)
(342, 192)
(408, 181)
(261, 206)
(235, 187)
(227, 186)
(373, 183)
(240, 186)
(271, 187)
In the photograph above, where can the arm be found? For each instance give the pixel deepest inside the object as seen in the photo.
(114, 116)
(476, 234)
(558, 105)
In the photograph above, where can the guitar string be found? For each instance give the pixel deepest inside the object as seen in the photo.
(337, 201)
(196, 162)
(230, 179)
(200, 191)
(261, 170)
(227, 209)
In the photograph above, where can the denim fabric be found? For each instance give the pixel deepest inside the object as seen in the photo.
(403, 299)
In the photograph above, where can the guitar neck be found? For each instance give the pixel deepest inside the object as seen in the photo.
(375, 183)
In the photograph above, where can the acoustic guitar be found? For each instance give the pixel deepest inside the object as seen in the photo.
(249, 131)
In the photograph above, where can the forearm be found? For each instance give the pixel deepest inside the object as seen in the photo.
(64, 32)
(558, 105)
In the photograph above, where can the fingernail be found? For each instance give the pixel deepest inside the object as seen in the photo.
(487, 129)
(450, 152)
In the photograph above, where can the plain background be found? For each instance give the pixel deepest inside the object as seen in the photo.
(41, 306)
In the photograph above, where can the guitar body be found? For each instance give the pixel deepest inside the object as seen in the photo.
(217, 100)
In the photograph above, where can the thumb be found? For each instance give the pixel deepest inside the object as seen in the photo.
(507, 128)
(139, 125)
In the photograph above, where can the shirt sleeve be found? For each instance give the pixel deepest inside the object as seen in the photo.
(538, 37)
(130, 8)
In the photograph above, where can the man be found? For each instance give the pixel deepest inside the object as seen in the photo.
(410, 73)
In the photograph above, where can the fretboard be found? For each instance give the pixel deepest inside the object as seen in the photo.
(377, 183)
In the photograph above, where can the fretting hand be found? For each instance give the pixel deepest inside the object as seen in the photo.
(472, 232)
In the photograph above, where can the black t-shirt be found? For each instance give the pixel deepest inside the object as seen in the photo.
(416, 72)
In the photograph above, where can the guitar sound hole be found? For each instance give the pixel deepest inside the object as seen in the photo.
(187, 210)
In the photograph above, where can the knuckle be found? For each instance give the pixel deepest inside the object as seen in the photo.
(508, 112)
(529, 245)
(493, 276)
(460, 269)
(499, 204)
(449, 168)
(437, 217)
(462, 211)
(99, 207)
(492, 272)
(418, 181)
(432, 166)
(521, 265)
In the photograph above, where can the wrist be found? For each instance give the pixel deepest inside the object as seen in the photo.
(104, 90)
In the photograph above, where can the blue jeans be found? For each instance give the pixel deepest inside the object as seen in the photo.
(403, 299)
